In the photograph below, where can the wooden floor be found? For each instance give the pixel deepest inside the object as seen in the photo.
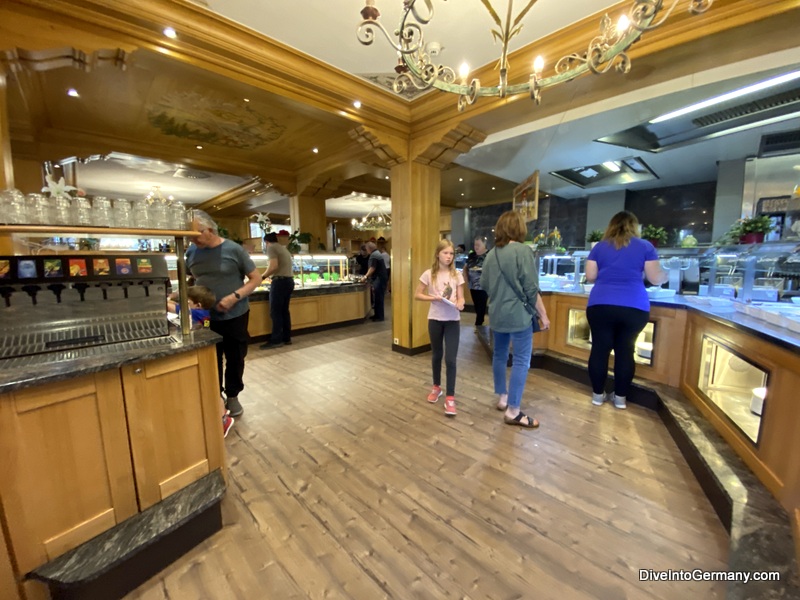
(345, 483)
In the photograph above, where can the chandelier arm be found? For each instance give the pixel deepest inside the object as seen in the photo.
(411, 6)
(366, 35)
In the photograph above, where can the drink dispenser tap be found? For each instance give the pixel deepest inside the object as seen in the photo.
(675, 269)
(32, 290)
(81, 287)
(5, 292)
(57, 288)
(104, 289)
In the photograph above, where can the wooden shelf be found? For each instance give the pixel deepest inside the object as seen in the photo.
(50, 230)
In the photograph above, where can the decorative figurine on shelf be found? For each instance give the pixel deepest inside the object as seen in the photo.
(264, 223)
(60, 188)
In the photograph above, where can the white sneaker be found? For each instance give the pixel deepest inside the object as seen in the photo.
(598, 399)
(619, 401)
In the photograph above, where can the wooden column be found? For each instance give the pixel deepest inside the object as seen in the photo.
(6, 166)
(416, 165)
(307, 213)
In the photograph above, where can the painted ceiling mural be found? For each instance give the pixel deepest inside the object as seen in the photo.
(202, 117)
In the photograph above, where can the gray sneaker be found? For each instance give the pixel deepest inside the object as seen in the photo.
(619, 401)
(598, 399)
(233, 406)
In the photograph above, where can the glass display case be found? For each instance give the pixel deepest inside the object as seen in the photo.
(735, 385)
(580, 336)
(683, 268)
(758, 272)
(310, 270)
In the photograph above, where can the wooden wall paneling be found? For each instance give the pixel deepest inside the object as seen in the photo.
(6, 164)
(166, 423)
(72, 481)
(559, 317)
(308, 215)
(305, 311)
(340, 307)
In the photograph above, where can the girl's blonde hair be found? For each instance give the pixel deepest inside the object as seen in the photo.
(435, 268)
(621, 228)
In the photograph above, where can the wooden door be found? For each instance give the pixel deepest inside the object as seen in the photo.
(174, 420)
(66, 468)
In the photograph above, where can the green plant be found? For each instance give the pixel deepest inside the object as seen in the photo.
(595, 235)
(756, 224)
(655, 234)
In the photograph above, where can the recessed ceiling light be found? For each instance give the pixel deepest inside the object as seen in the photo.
(170, 33)
(247, 99)
(611, 166)
(73, 92)
(56, 166)
(357, 103)
(315, 150)
(461, 179)
(199, 147)
(462, 193)
(493, 188)
(387, 177)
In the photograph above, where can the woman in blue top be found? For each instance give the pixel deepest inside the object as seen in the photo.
(618, 307)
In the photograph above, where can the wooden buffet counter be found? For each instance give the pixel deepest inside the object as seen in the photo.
(87, 444)
(718, 358)
(313, 307)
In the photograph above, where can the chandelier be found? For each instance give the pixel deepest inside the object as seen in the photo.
(416, 68)
(376, 219)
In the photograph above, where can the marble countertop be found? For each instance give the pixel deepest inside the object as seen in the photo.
(18, 373)
(727, 316)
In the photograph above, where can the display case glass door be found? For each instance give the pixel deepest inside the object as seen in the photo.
(735, 385)
(580, 336)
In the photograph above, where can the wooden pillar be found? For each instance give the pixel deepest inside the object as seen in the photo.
(416, 166)
(416, 192)
(307, 214)
(6, 166)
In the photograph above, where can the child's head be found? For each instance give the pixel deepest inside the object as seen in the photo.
(443, 259)
(201, 296)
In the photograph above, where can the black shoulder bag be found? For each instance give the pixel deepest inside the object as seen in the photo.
(532, 311)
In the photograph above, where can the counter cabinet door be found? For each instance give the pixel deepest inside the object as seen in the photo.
(174, 419)
(65, 472)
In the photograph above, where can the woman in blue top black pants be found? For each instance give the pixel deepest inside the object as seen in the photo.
(618, 307)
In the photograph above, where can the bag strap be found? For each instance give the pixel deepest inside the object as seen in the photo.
(518, 292)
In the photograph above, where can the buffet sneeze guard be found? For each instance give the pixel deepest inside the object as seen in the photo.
(66, 306)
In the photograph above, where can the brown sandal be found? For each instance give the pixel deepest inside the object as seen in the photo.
(528, 423)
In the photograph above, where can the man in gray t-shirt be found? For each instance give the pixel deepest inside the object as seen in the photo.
(221, 265)
(281, 270)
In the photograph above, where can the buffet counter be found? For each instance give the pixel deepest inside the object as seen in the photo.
(92, 442)
(740, 371)
(317, 304)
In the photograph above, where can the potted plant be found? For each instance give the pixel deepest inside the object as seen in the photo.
(751, 230)
(298, 241)
(655, 235)
(595, 236)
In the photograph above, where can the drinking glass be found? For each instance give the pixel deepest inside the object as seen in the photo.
(101, 212)
(141, 214)
(61, 211)
(122, 213)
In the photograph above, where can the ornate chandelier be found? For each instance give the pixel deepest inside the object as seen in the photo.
(415, 67)
(376, 219)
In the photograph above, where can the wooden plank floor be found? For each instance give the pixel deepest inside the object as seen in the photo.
(345, 483)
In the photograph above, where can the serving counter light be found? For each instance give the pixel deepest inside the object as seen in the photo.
(416, 68)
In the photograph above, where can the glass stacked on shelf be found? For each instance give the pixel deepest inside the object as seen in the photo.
(63, 209)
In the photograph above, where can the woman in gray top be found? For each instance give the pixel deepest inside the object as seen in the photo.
(511, 279)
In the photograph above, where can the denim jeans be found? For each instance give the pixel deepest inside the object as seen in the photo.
(522, 342)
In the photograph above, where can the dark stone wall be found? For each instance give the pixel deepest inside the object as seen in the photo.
(684, 207)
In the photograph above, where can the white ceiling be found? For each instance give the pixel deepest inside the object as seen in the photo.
(562, 141)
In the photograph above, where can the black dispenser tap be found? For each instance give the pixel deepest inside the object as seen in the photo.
(81, 287)
(57, 288)
(31, 290)
(5, 292)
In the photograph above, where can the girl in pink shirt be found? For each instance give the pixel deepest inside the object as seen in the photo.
(443, 286)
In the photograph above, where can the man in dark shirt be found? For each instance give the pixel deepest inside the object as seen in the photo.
(280, 292)
(377, 273)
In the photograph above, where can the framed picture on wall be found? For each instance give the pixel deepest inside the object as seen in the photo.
(526, 198)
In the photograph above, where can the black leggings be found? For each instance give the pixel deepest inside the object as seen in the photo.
(479, 299)
(444, 342)
(614, 328)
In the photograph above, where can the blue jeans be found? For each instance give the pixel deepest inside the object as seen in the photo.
(523, 346)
